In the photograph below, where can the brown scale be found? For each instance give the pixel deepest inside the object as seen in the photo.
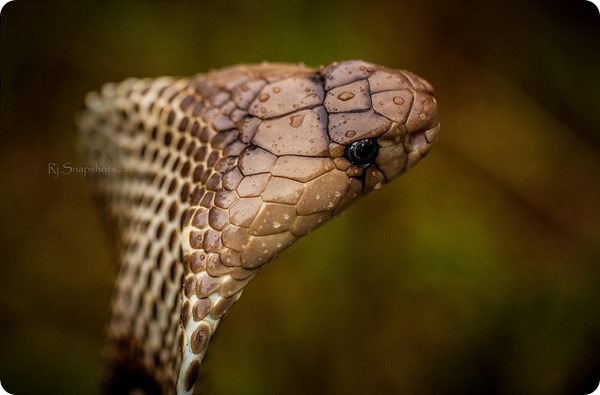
(220, 172)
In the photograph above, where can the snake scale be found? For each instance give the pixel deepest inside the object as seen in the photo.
(215, 174)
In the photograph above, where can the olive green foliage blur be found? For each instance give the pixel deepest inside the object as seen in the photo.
(477, 272)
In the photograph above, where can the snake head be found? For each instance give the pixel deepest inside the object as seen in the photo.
(340, 132)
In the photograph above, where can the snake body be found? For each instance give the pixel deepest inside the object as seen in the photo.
(210, 177)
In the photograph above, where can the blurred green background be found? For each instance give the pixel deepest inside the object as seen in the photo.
(477, 272)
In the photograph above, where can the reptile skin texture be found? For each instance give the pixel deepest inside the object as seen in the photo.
(203, 180)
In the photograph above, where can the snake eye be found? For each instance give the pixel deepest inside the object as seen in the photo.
(362, 152)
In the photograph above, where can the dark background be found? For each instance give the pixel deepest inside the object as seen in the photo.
(477, 272)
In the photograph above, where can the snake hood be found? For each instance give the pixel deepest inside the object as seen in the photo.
(220, 172)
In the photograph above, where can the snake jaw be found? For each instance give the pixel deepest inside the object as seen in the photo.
(220, 173)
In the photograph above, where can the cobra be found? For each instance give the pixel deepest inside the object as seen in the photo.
(214, 175)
